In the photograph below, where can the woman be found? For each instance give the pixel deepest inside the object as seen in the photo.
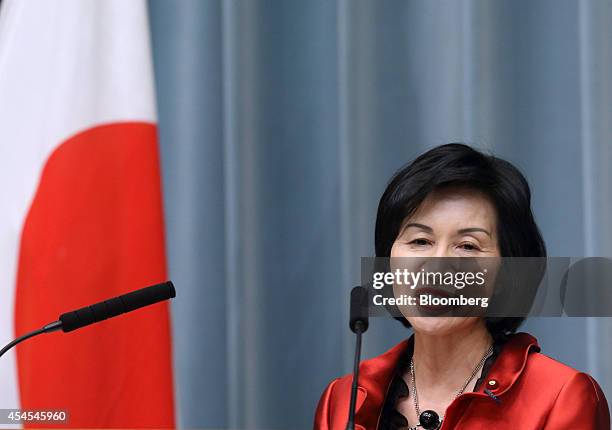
(462, 372)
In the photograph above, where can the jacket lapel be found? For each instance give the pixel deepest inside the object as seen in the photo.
(505, 371)
(510, 363)
(375, 377)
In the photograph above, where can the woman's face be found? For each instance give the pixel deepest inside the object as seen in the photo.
(451, 222)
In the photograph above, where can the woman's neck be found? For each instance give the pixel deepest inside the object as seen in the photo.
(446, 361)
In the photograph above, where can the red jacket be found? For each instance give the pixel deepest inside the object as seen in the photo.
(531, 391)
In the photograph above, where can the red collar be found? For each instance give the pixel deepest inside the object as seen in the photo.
(375, 376)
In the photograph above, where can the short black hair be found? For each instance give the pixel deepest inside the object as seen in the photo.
(457, 164)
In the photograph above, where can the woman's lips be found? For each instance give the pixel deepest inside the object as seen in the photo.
(436, 291)
(433, 292)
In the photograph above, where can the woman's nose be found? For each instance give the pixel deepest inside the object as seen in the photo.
(442, 250)
(441, 259)
(436, 261)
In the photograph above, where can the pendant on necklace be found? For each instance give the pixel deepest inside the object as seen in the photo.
(429, 420)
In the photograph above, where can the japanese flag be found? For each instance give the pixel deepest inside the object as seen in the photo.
(81, 211)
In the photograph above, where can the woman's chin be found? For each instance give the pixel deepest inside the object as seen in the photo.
(441, 325)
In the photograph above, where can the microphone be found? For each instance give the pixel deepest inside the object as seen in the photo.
(359, 324)
(101, 311)
(116, 306)
(359, 310)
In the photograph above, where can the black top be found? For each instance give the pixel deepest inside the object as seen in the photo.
(390, 418)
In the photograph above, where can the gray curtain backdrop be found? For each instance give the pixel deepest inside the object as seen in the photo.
(280, 124)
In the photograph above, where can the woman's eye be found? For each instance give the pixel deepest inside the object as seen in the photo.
(419, 242)
(469, 247)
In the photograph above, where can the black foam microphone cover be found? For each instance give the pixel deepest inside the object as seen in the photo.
(117, 306)
(359, 310)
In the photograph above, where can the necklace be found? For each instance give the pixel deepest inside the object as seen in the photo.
(429, 420)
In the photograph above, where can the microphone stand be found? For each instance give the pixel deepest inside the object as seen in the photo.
(358, 324)
(359, 329)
